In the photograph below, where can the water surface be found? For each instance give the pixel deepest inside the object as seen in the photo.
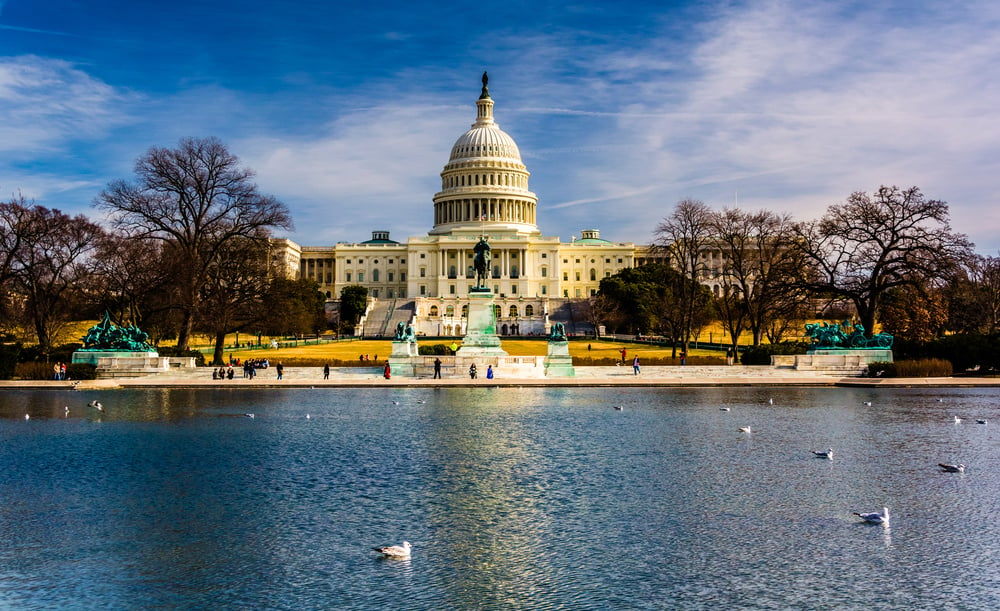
(512, 499)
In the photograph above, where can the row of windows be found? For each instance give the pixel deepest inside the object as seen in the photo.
(390, 276)
(449, 311)
(593, 275)
(502, 180)
(606, 260)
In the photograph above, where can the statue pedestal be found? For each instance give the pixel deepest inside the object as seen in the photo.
(403, 360)
(481, 330)
(833, 361)
(123, 364)
(558, 362)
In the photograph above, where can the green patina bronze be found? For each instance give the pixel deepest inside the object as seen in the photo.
(107, 336)
(558, 332)
(845, 335)
(482, 262)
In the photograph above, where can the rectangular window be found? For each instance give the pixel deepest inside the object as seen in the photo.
(423, 289)
(422, 256)
(513, 289)
(375, 293)
(361, 278)
(329, 277)
(577, 293)
(348, 274)
(545, 272)
(565, 276)
(545, 255)
(423, 272)
(389, 278)
(402, 276)
(577, 278)
(544, 289)
(451, 289)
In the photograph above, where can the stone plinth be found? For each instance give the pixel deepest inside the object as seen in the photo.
(481, 330)
(121, 364)
(520, 367)
(833, 361)
(558, 362)
(402, 361)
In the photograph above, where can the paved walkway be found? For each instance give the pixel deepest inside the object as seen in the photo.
(307, 377)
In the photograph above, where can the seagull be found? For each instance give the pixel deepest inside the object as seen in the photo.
(981, 421)
(959, 468)
(308, 417)
(395, 551)
(867, 404)
(251, 416)
(875, 518)
(421, 402)
(27, 416)
(96, 405)
(957, 419)
(619, 408)
(940, 400)
(826, 454)
(395, 402)
(770, 401)
(744, 429)
(723, 409)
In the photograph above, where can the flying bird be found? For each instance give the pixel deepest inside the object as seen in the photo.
(96, 405)
(395, 551)
(959, 468)
(875, 518)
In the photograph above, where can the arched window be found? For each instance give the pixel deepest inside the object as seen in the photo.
(593, 274)
(496, 310)
(374, 275)
(529, 310)
(513, 311)
(449, 311)
(434, 310)
(465, 311)
(451, 272)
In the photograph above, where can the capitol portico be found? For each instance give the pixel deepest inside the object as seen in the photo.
(426, 280)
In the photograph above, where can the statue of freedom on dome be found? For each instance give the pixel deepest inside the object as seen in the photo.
(486, 90)
(482, 262)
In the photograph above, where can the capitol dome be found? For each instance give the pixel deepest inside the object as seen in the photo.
(484, 186)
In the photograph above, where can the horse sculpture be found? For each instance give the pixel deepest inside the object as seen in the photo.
(481, 262)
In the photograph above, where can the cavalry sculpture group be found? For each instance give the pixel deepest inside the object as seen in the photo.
(106, 335)
(845, 335)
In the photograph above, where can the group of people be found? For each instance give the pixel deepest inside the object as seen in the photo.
(365, 357)
(474, 373)
(59, 371)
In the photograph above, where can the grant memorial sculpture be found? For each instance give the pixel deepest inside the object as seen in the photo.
(119, 351)
(838, 349)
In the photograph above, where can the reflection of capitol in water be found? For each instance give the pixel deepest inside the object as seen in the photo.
(484, 191)
(488, 505)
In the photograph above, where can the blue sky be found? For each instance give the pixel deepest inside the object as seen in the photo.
(348, 112)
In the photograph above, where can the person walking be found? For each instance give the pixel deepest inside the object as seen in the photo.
(326, 371)
(437, 369)
(684, 357)
(635, 365)
(623, 355)
(729, 356)
(472, 371)
(387, 372)
(280, 369)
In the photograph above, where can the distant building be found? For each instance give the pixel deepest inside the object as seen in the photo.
(426, 279)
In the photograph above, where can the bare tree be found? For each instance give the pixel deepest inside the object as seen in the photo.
(683, 236)
(875, 242)
(197, 198)
(47, 264)
(760, 265)
(133, 279)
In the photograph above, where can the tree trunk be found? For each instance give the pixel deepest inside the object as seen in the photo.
(220, 348)
(184, 335)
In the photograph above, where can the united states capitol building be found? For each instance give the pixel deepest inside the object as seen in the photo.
(425, 280)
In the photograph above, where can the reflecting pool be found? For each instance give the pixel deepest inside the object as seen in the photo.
(512, 499)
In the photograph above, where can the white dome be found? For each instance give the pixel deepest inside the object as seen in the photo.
(485, 140)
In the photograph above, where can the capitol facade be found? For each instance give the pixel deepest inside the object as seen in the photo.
(425, 280)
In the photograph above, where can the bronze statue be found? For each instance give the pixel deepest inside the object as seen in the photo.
(105, 335)
(557, 333)
(486, 89)
(482, 262)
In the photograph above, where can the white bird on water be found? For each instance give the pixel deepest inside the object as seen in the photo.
(770, 401)
(959, 468)
(827, 454)
(724, 409)
(96, 405)
(957, 420)
(981, 421)
(395, 551)
(619, 408)
(251, 416)
(867, 403)
(745, 429)
(876, 517)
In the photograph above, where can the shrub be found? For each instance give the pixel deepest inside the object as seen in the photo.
(761, 355)
(434, 349)
(9, 354)
(34, 370)
(924, 368)
(882, 369)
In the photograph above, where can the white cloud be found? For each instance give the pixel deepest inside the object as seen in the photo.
(47, 102)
